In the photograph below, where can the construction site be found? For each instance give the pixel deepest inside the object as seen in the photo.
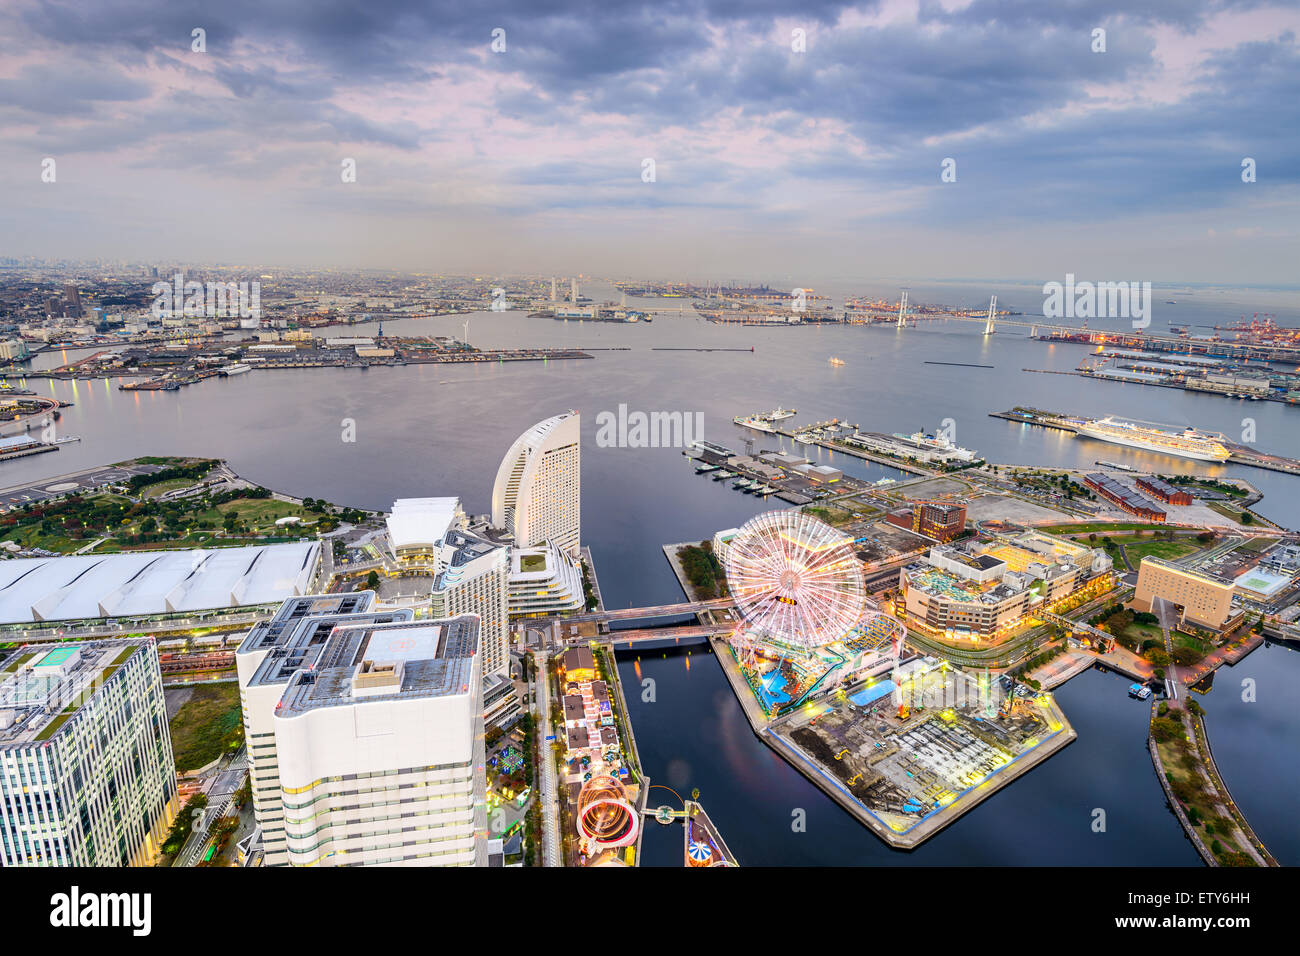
(909, 754)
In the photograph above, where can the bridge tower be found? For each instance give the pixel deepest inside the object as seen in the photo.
(902, 311)
(993, 311)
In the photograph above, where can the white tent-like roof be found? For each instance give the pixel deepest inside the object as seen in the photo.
(139, 584)
(421, 522)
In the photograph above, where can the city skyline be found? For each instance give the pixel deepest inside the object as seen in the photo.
(531, 157)
(654, 436)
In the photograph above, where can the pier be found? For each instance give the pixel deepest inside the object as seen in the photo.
(1240, 454)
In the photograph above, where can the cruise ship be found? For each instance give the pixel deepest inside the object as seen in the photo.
(1188, 443)
(764, 423)
(237, 369)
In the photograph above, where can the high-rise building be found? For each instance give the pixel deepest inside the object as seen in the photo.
(573, 290)
(87, 776)
(381, 750)
(474, 578)
(267, 659)
(365, 735)
(536, 497)
(71, 301)
(554, 291)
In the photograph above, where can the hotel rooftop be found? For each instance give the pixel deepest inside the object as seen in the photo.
(269, 634)
(408, 659)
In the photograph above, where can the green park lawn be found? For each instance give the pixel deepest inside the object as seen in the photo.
(206, 724)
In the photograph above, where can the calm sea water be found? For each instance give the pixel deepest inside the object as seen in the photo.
(694, 735)
(439, 430)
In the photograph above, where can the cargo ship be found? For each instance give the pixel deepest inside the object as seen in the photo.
(1188, 443)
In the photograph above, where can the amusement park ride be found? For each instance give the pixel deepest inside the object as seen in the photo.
(605, 816)
(798, 586)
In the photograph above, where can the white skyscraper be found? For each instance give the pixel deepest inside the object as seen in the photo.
(537, 494)
(573, 290)
(474, 578)
(87, 776)
(554, 291)
(266, 660)
(368, 729)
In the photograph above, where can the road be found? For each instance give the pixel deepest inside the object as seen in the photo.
(220, 787)
(87, 480)
(1168, 615)
(540, 693)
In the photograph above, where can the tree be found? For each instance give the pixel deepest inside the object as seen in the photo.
(372, 581)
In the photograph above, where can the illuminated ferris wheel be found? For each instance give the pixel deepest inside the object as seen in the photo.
(795, 579)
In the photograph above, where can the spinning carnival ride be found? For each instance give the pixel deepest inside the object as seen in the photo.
(796, 581)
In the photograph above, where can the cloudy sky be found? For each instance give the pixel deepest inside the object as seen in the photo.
(767, 159)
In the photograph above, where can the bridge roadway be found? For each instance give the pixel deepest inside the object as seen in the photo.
(1135, 336)
(635, 613)
(644, 634)
(1044, 325)
(1075, 627)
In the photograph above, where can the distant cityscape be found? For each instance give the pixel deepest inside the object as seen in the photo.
(289, 676)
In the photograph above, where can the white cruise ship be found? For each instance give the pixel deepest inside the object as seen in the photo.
(1188, 443)
(237, 369)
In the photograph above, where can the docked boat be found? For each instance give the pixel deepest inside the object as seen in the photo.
(1139, 691)
(237, 369)
(705, 469)
(1188, 443)
(723, 475)
(938, 442)
(757, 422)
(766, 421)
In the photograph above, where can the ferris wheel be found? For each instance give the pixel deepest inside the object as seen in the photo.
(795, 579)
